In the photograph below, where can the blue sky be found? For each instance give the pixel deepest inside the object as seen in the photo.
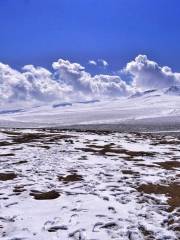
(41, 31)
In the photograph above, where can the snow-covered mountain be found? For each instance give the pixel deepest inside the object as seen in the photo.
(173, 90)
(151, 104)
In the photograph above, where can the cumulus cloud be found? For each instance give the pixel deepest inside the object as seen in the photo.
(70, 81)
(43, 87)
(30, 85)
(147, 74)
(67, 81)
(100, 62)
(103, 62)
(13, 85)
(108, 85)
(92, 62)
(83, 83)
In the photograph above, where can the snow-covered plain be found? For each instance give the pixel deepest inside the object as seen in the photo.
(152, 104)
(89, 185)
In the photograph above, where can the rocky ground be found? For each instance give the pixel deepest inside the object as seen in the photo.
(89, 185)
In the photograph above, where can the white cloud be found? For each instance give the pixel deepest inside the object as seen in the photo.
(67, 81)
(83, 83)
(31, 85)
(70, 81)
(148, 74)
(100, 62)
(103, 62)
(111, 86)
(92, 62)
(13, 85)
(43, 87)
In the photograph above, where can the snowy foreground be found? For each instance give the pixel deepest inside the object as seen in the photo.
(88, 185)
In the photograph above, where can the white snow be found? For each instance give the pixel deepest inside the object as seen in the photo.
(152, 105)
(104, 204)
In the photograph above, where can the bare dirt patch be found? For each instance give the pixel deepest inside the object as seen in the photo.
(169, 165)
(172, 191)
(5, 143)
(45, 195)
(13, 133)
(166, 142)
(19, 162)
(7, 155)
(70, 178)
(18, 189)
(7, 176)
(27, 137)
(129, 172)
(103, 150)
(40, 137)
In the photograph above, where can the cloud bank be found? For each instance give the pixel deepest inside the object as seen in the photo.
(70, 81)
(148, 74)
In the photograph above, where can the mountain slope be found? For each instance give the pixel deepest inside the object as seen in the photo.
(151, 104)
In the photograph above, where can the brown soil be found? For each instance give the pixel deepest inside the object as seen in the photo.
(45, 195)
(18, 189)
(172, 191)
(168, 142)
(56, 228)
(5, 143)
(130, 172)
(27, 137)
(20, 162)
(33, 137)
(169, 165)
(70, 178)
(10, 132)
(103, 150)
(146, 232)
(7, 155)
(7, 176)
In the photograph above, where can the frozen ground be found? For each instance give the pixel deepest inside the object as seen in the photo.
(72, 185)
